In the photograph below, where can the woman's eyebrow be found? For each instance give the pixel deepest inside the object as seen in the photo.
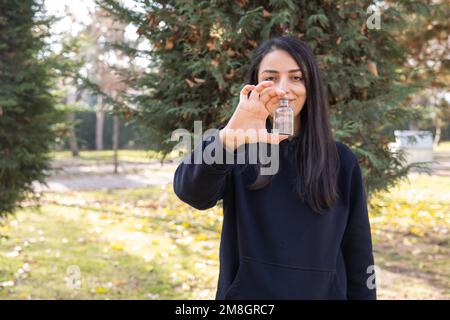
(275, 71)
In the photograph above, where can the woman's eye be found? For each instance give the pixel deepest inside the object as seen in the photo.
(274, 79)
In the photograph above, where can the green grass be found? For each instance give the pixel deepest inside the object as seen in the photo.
(146, 244)
(135, 244)
(444, 146)
(107, 156)
(410, 227)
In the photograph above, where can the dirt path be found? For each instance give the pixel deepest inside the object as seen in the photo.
(76, 175)
(99, 177)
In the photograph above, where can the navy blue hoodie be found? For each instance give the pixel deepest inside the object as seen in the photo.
(273, 246)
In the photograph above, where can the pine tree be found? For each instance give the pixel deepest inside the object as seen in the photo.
(200, 51)
(26, 106)
(427, 39)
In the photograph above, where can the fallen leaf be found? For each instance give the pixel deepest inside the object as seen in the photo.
(186, 224)
(201, 237)
(117, 246)
(416, 231)
(100, 290)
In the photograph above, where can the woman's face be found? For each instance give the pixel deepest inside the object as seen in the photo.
(279, 66)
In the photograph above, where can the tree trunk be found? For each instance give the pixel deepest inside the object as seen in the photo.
(413, 125)
(116, 142)
(437, 136)
(99, 125)
(72, 96)
(72, 135)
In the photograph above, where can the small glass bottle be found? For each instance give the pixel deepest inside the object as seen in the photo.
(284, 119)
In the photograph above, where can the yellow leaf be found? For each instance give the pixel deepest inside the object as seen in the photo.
(186, 224)
(117, 246)
(416, 231)
(100, 290)
(201, 237)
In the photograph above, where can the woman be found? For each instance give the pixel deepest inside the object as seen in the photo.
(302, 233)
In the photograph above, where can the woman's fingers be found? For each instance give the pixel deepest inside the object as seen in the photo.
(246, 90)
(272, 104)
(270, 93)
(260, 88)
(250, 88)
(265, 93)
(270, 98)
(263, 85)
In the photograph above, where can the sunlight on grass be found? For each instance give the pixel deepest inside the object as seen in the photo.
(444, 146)
(146, 244)
(410, 228)
(137, 244)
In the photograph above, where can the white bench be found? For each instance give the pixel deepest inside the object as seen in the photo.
(418, 145)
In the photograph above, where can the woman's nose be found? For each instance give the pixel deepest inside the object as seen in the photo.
(282, 84)
(284, 88)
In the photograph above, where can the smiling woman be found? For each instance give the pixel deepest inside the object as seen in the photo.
(286, 76)
(303, 232)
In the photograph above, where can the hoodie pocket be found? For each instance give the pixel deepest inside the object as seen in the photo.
(261, 280)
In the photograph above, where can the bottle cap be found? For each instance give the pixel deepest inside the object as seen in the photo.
(284, 102)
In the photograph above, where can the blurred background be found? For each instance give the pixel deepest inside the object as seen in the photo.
(91, 91)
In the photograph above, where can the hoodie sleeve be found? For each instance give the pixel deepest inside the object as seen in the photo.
(357, 243)
(201, 185)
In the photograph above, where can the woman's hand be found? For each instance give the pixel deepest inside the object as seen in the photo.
(250, 116)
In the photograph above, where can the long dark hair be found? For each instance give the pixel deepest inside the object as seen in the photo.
(315, 153)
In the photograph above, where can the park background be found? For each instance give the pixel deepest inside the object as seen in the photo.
(90, 92)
